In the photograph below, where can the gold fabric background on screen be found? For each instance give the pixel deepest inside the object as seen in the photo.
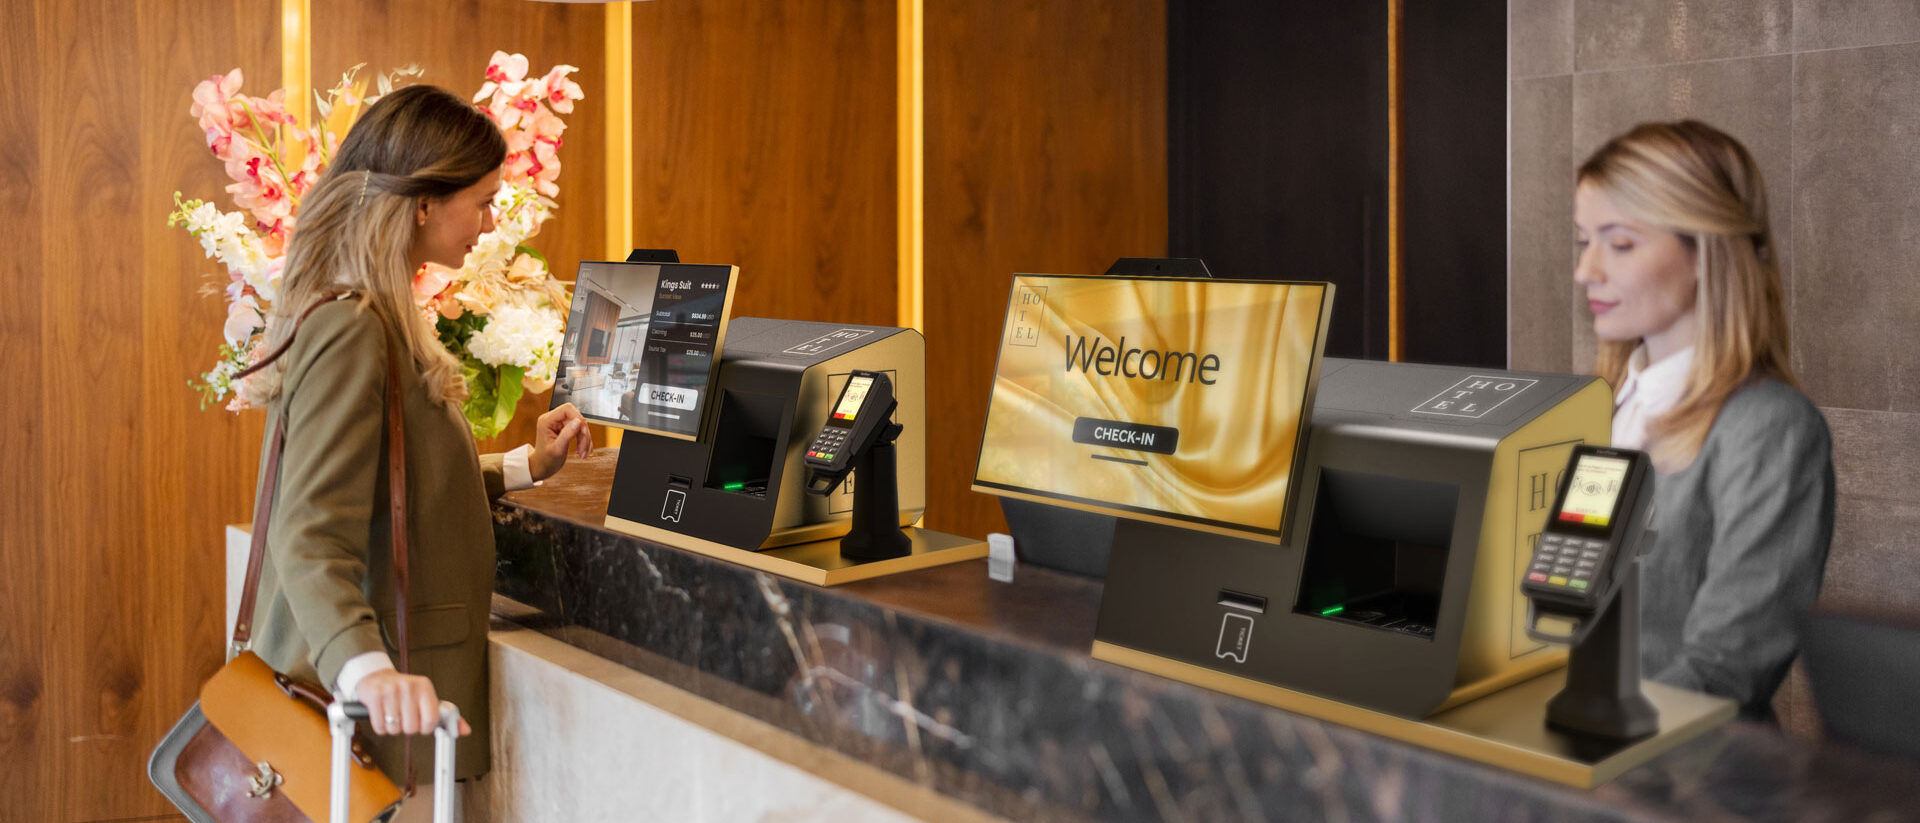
(1237, 437)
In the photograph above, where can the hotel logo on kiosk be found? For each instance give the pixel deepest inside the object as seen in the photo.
(1130, 396)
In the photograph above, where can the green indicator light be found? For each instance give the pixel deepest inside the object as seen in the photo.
(1333, 610)
(734, 487)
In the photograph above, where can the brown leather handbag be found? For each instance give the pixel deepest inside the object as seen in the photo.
(256, 746)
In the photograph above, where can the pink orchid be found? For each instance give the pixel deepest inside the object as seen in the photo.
(211, 96)
(561, 92)
(430, 281)
(242, 319)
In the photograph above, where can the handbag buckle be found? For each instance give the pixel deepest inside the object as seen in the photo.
(265, 782)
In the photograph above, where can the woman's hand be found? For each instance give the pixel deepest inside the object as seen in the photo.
(558, 433)
(401, 703)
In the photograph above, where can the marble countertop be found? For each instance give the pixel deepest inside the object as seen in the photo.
(986, 692)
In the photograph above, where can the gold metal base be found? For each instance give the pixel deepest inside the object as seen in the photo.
(819, 563)
(1507, 728)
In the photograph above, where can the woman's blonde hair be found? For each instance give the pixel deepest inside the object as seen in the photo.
(356, 226)
(1701, 184)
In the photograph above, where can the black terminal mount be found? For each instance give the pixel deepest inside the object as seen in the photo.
(653, 256)
(1583, 589)
(858, 437)
(1159, 267)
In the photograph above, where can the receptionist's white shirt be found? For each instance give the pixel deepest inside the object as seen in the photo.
(1647, 393)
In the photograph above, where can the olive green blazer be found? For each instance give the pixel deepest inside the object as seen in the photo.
(327, 587)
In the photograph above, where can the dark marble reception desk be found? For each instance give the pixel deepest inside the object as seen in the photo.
(985, 692)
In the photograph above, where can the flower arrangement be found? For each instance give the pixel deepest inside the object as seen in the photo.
(502, 312)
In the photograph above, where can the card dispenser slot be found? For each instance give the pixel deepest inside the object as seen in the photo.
(1242, 601)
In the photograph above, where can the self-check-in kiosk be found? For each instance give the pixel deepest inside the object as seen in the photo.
(729, 476)
(1367, 568)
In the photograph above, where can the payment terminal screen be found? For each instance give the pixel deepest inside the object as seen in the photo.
(1175, 400)
(1594, 490)
(643, 344)
(851, 399)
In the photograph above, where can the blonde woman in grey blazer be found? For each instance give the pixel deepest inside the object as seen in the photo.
(1678, 266)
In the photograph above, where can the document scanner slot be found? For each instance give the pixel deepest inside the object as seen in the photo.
(1377, 551)
(747, 442)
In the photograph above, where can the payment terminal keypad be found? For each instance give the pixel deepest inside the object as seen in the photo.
(1566, 561)
(832, 441)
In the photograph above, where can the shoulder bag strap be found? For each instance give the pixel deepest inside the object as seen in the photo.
(397, 487)
(397, 503)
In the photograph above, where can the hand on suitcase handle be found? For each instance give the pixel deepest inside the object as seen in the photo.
(399, 703)
(341, 717)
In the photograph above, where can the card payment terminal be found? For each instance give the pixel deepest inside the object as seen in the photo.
(1595, 522)
(864, 408)
(1583, 589)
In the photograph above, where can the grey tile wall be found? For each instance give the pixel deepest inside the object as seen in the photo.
(1540, 224)
(1839, 24)
(1611, 34)
(1876, 463)
(1856, 122)
(1539, 38)
(1826, 93)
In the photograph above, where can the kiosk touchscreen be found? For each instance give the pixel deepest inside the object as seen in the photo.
(643, 344)
(1177, 401)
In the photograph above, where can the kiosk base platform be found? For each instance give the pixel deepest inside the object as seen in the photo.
(820, 563)
(1507, 728)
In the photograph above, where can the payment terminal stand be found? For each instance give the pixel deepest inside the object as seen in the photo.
(1583, 590)
(859, 437)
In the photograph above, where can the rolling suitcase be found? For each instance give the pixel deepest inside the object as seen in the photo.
(341, 716)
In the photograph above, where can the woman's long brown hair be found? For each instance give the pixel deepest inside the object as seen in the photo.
(356, 226)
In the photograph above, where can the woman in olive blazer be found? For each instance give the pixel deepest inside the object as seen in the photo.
(411, 184)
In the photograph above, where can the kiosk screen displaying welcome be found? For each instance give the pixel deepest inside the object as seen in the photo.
(1161, 399)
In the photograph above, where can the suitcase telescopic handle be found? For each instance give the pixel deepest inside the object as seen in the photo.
(343, 714)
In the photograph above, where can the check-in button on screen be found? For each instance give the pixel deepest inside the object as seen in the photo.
(1123, 435)
(672, 397)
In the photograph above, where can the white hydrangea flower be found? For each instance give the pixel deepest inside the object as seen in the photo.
(520, 335)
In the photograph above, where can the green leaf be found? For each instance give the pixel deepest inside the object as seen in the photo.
(493, 394)
(532, 252)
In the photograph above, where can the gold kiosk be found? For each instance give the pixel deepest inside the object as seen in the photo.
(1361, 563)
(719, 412)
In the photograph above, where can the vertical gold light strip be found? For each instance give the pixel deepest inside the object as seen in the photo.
(910, 209)
(618, 100)
(1396, 263)
(296, 56)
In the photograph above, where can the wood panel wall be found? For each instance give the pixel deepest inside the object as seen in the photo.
(1046, 152)
(118, 485)
(763, 136)
(450, 40)
(110, 558)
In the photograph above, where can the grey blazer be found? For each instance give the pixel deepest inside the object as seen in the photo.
(1740, 549)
